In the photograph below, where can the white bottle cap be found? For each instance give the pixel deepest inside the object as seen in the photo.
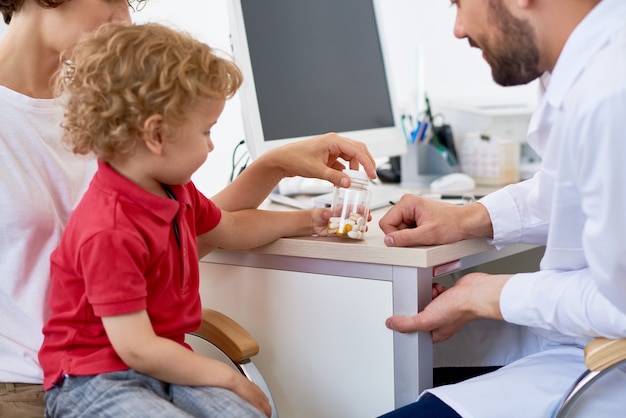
(356, 174)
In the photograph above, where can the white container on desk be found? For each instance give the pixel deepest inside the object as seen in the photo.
(490, 160)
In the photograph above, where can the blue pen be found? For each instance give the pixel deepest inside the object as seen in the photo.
(419, 134)
(414, 132)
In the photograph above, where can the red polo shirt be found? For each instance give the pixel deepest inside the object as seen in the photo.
(119, 255)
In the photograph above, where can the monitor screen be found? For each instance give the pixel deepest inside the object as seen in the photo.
(312, 67)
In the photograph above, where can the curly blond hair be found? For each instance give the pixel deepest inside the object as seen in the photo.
(119, 75)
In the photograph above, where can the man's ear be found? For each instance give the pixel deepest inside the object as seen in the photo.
(152, 134)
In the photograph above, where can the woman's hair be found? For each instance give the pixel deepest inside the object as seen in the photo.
(8, 7)
(120, 75)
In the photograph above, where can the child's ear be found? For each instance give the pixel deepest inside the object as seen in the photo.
(152, 134)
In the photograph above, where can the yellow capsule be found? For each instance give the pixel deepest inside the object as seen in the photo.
(347, 228)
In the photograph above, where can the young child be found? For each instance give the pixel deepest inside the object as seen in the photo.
(124, 279)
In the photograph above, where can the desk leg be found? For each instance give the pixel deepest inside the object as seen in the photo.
(413, 353)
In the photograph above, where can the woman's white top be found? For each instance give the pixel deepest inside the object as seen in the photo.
(40, 184)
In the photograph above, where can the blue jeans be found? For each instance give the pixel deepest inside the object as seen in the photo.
(427, 406)
(129, 393)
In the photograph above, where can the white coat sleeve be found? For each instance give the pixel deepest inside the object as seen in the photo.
(587, 298)
(566, 302)
(512, 220)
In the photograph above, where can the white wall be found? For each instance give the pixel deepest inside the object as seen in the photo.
(452, 70)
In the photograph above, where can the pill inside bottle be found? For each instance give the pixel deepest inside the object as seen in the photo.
(350, 207)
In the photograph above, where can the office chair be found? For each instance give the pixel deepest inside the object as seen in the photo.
(235, 343)
(601, 356)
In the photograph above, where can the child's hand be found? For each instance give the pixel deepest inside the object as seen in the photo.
(319, 220)
(252, 394)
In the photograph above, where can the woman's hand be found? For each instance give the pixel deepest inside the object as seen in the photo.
(319, 157)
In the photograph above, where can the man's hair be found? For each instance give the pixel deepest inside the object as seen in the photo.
(8, 7)
(119, 75)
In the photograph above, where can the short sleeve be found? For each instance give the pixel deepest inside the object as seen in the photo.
(113, 264)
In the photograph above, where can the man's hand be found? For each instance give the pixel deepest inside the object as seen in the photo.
(476, 295)
(417, 220)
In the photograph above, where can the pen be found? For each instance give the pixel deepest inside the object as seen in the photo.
(407, 126)
(454, 196)
(444, 197)
(443, 150)
(429, 115)
(420, 131)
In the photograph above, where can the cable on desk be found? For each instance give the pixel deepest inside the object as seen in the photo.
(234, 163)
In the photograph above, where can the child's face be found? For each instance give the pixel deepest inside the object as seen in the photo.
(188, 146)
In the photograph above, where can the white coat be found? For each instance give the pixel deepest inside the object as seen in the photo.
(576, 206)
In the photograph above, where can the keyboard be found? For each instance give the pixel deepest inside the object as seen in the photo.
(382, 196)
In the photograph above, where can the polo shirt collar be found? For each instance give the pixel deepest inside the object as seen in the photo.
(164, 208)
(586, 39)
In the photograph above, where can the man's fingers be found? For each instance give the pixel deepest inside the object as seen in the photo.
(402, 238)
(403, 323)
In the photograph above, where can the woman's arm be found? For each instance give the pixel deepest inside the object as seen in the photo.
(318, 157)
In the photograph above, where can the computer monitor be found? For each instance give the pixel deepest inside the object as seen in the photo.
(312, 67)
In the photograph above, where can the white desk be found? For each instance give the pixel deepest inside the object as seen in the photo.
(317, 305)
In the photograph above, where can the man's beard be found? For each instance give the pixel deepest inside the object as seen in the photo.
(514, 60)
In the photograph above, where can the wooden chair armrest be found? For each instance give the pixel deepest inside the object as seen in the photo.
(227, 335)
(603, 352)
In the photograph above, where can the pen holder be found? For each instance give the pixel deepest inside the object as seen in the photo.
(422, 163)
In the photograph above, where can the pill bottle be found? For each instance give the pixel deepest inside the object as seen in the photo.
(350, 208)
